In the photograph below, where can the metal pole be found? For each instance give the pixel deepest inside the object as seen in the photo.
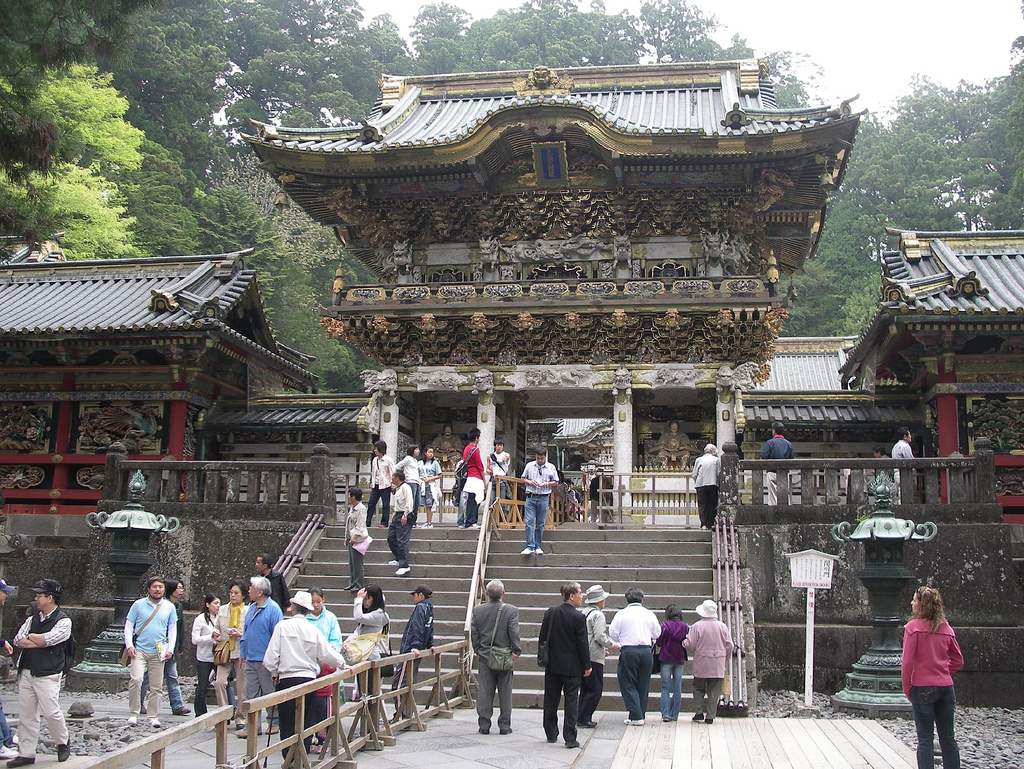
(809, 650)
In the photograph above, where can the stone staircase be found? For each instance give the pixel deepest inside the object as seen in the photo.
(671, 565)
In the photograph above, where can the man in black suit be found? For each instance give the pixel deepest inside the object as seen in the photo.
(564, 633)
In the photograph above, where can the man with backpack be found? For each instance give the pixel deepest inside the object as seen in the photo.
(42, 640)
(473, 489)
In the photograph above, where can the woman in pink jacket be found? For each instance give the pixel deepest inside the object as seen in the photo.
(931, 656)
(710, 643)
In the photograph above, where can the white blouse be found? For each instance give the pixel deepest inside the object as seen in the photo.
(202, 638)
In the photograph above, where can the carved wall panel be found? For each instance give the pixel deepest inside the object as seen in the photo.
(25, 428)
(137, 425)
(20, 476)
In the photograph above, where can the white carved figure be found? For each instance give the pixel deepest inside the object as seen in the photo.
(739, 378)
(402, 257)
(437, 379)
(489, 253)
(622, 380)
(724, 254)
(552, 376)
(386, 259)
(483, 381)
(623, 251)
(668, 376)
(387, 381)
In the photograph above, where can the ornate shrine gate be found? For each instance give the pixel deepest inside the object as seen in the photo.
(601, 242)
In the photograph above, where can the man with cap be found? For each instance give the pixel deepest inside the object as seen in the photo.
(418, 637)
(597, 639)
(293, 657)
(541, 478)
(9, 749)
(41, 640)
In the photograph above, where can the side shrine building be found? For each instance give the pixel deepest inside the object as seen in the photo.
(601, 242)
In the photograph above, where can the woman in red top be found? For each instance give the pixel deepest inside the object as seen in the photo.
(931, 656)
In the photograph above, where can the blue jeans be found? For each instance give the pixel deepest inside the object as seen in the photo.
(535, 516)
(933, 709)
(671, 689)
(173, 689)
(384, 495)
(6, 735)
(634, 674)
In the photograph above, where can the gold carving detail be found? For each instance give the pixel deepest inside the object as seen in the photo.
(542, 81)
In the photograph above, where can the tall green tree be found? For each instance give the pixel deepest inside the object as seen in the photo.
(81, 195)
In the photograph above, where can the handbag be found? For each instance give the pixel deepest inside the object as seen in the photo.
(656, 666)
(358, 648)
(363, 545)
(222, 652)
(542, 654)
(500, 657)
(125, 659)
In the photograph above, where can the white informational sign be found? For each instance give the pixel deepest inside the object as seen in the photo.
(811, 569)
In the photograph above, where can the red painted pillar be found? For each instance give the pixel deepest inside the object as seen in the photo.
(62, 446)
(948, 417)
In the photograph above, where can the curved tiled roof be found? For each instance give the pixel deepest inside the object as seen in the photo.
(133, 295)
(629, 106)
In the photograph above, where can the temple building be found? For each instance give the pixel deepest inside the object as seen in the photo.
(950, 330)
(139, 351)
(586, 243)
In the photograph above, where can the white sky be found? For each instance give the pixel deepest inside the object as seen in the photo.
(870, 47)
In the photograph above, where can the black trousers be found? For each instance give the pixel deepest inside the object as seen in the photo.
(203, 671)
(554, 685)
(707, 505)
(398, 539)
(591, 691)
(286, 710)
(384, 495)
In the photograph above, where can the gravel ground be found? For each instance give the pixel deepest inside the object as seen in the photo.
(989, 738)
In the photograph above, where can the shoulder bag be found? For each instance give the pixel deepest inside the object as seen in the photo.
(125, 659)
(358, 648)
(500, 657)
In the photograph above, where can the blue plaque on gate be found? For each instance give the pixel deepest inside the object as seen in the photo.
(550, 164)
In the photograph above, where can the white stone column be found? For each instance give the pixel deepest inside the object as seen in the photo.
(725, 416)
(622, 423)
(486, 412)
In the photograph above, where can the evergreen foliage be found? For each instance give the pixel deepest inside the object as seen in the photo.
(155, 167)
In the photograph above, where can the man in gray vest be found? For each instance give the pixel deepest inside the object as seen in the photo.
(488, 628)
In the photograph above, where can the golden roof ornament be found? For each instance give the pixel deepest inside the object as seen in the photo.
(542, 81)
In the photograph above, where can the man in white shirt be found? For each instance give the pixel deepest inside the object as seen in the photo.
(901, 450)
(403, 520)
(293, 657)
(635, 629)
(541, 478)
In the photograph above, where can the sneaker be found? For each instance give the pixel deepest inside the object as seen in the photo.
(527, 551)
(6, 753)
(538, 551)
(382, 525)
(393, 562)
(133, 720)
(155, 723)
(182, 711)
(403, 571)
(475, 526)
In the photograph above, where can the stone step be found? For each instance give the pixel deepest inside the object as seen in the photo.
(568, 532)
(507, 546)
(540, 567)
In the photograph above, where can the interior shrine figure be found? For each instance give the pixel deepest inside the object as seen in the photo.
(673, 448)
(447, 448)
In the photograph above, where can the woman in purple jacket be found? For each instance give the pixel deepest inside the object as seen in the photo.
(672, 656)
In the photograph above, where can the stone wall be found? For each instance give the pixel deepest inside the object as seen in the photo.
(208, 551)
(971, 563)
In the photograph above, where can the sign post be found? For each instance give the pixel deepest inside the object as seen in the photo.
(811, 569)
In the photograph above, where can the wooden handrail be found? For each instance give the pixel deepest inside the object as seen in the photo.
(477, 581)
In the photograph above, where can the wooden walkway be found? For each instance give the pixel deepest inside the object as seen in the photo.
(762, 743)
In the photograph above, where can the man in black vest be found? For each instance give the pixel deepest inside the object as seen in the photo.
(564, 631)
(41, 640)
(278, 589)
